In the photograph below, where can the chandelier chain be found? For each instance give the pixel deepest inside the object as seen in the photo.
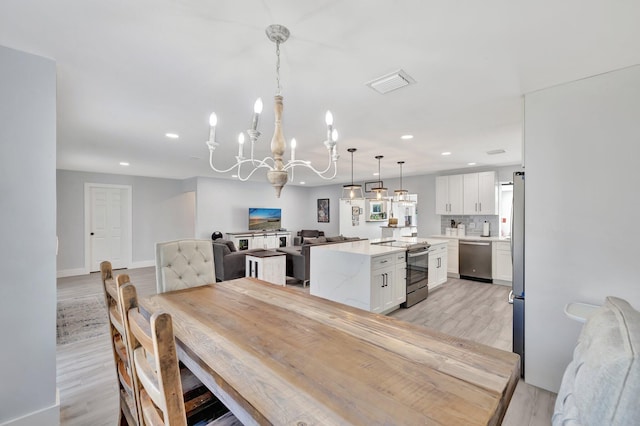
(278, 91)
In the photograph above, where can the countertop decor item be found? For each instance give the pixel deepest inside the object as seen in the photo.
(278, 171)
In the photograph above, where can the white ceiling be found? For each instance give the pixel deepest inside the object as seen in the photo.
(131, 71)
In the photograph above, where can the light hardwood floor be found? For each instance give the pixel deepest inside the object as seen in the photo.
(87, 380)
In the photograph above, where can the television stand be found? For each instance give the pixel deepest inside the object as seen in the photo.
(259, 239)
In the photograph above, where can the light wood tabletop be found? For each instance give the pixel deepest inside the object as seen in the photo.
(275, 355)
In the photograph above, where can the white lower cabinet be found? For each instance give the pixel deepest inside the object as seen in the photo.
(388, 286)
(452, 258)
(502, 265)
(437, 265)
(400, 281)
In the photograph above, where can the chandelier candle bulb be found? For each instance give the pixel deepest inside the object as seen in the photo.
(240, 145)
(257, 110)
(213, 121)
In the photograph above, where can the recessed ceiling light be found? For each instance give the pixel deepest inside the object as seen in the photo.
(406, 137)
(172, 135)
(124, 163)
(471, 164)
(376, 174)
(234, 176)
(446, 153)
(303, 183)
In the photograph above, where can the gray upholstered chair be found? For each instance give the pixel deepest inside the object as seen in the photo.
(184, 263)
(601, 385)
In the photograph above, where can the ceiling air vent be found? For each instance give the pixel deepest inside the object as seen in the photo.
(390, 82)
(496, 151)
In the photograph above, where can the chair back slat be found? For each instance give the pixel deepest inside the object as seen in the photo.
(156, 368)
(129, 408)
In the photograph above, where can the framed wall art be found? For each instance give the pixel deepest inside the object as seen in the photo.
(323, 210)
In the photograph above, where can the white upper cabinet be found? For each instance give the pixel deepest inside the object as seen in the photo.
(480, 193)
(449, 194)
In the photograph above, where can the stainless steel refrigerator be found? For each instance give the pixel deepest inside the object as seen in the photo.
(517, 257)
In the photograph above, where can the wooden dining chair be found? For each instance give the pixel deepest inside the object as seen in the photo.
(184, 263)
(128, 405)
(160, 380)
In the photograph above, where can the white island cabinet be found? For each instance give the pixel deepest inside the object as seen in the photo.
(437, 264)
(358, 274)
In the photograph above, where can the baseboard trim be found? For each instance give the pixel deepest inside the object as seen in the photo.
(142, 264)
(71, 272)
(46, 416)
(503, 282)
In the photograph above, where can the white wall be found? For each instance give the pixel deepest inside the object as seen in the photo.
(163, 210)
(28, 229)
(223, 205)
(582, 145)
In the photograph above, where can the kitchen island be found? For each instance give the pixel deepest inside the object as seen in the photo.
(359, 274)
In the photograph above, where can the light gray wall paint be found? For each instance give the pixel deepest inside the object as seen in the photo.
(223, 205)
(28, 229)
(162, 211)
(167, 209)
(582, 149)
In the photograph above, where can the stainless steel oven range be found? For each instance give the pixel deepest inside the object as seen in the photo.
(417, 257)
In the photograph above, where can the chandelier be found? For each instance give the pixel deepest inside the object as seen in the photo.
(278, 171)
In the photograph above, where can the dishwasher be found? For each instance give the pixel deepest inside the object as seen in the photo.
(475, 260)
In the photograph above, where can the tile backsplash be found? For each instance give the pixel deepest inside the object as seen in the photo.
(473, 224)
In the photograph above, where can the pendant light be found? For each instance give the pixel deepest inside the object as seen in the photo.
(353, 191)
(401, 195)
(381, 192)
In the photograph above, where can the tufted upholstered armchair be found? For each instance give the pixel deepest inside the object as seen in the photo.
(184, 263)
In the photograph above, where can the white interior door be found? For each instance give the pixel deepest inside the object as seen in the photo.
(109, 238)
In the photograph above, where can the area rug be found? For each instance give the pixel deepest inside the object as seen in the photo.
(80, 319)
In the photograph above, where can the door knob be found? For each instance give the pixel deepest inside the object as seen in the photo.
(92, 233)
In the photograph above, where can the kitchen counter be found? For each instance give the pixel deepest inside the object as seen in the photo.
(474, 237)
(431, 241)
(358, 247)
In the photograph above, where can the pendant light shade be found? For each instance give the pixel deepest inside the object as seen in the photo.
(401, 194)
(353, 191)
(381, 192)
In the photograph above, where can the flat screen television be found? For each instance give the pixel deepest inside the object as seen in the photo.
(265, 219)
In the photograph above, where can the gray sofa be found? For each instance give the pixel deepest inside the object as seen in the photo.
(298, 256)
(601, 385)
(230, 263)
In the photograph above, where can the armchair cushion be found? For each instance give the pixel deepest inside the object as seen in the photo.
(317, 240)
(601, 384)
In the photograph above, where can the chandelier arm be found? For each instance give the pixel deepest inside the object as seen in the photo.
(260, 164)
(244, 179)
(291, 165)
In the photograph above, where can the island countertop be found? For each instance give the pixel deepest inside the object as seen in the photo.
(359, 247)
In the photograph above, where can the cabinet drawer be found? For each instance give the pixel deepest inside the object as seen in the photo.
(382, 261)
(438, 249)
(400, 257)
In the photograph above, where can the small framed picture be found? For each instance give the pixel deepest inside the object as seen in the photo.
(323, 210)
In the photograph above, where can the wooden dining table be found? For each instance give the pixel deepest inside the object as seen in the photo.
(276, 355)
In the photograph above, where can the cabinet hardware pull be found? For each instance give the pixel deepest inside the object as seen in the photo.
(480, 206)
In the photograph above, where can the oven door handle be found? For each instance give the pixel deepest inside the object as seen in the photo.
(422, 253)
